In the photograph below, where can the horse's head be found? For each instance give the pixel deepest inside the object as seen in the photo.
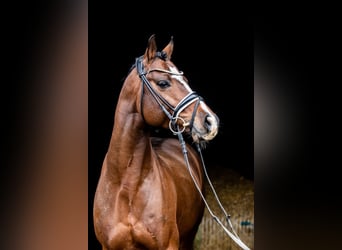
(167, 99)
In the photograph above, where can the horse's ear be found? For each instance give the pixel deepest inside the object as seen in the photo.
(151, 49)
(169, 48)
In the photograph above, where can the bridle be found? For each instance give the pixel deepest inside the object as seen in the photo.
(177, 130)
(163, 103)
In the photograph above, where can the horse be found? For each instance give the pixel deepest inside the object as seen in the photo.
(146, 197)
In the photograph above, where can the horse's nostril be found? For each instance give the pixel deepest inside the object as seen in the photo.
(208, 121)
(211, 123)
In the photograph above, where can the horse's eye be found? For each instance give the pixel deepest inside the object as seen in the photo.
(163, 84)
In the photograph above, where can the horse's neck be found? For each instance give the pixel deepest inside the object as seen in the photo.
(129, 142)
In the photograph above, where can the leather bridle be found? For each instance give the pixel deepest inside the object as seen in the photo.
(174, 112)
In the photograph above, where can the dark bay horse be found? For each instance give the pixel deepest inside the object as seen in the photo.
(146, 198)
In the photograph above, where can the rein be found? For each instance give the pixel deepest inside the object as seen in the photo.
(174, 127)
(233, 235)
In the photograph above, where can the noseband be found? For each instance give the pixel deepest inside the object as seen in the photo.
(175, 111)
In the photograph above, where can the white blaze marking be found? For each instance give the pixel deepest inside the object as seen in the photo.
(179, 77)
